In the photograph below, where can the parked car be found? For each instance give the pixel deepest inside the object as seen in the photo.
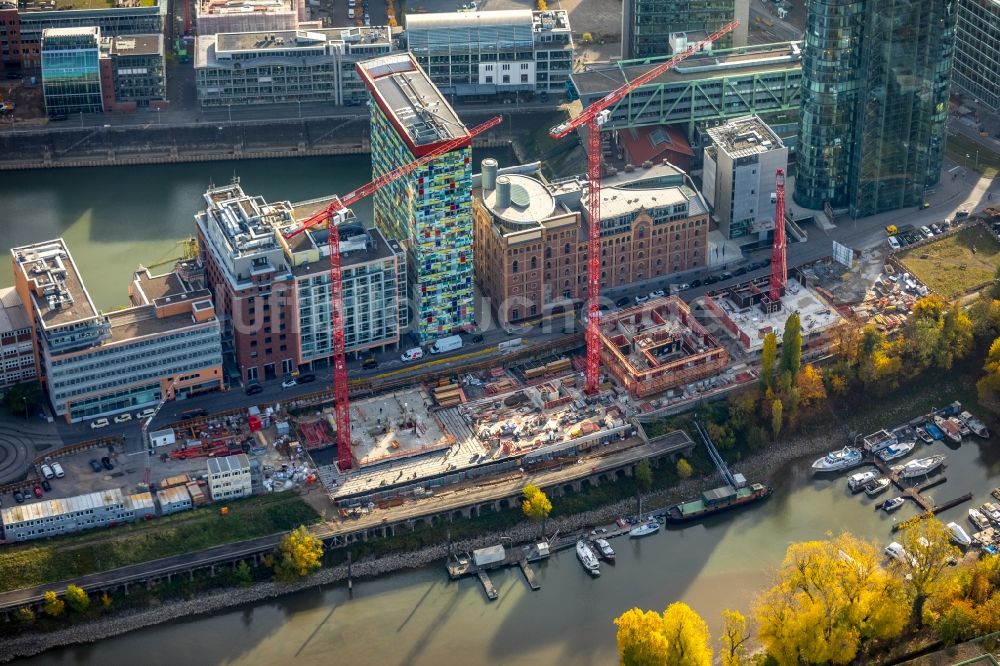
(959, 214)
(893, 243)
(742, 270)
(19, 497)
(38, 492)
(726, 276)
(106, 462)
(194, 413)
(47, 472)
(146, 413)
(99, 423)
(96, 466)
(936, 229)
(695, 283)
(123, 418)
(46, 485)
(289, 383)
(711, 279)
(659, 293)
(684, 286)
(926, 232)
(640, 299)
(412, 354)
(369, 363)
(254, 389)
(306, 378)
(477, 338)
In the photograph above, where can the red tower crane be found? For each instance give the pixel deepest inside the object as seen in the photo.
(594, 116)
(779, 264)
(329, 216)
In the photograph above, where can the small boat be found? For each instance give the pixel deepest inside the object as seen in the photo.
(920, 466)
(991, 511)
(896, 551)
(891, 505)
(717, 501)
(835, 461)
(604, 550)
(652, 526)
(959, 535)
(896, 451)
(934, 431)
(857, 482)
(996, 493)
(978, 519)
(877, 441)
(877, 487)
(923, 435)
(974, 424)
(951, 428)
(587, 558)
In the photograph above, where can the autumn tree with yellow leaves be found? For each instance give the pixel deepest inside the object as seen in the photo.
(299, 553)
(929, 552)
(678, 637)
(535, 504)
(830, 597)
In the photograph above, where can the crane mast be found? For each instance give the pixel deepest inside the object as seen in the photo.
(779, 266)
(332, 215)
(594, 117)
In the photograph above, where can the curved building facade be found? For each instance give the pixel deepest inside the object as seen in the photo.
(875, 85)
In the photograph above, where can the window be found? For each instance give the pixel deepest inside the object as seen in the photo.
(514, 267)
(534, 263)
(524, 78)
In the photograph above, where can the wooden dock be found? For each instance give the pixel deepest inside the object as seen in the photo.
(916, 493)
(488, 587)
(529, 574)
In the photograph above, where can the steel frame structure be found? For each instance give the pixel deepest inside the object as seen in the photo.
(779, 262)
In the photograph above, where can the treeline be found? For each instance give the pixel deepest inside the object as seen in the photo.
(833, 602)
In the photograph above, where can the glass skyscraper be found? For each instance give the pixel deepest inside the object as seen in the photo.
(875, 84)
(71, 76)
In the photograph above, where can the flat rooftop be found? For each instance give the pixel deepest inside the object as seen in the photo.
(602, 79)
(134, 45)
(223, 7)
(285, 40)
(247, 222)
(58, 294)
(69, 5)
(140, 321)
(744, 137)
(13, 317)
(412, 101)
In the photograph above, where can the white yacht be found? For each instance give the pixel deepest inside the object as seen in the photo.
(835, 461)
(587, 557)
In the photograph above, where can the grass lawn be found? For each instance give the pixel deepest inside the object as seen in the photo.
(952, 265)
(959, 146)
(40, 562)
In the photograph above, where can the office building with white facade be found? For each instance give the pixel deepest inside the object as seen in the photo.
(49, 518)
(286, 66)
(17, 351)
(739, 176)
(94, 364)
(490, 54)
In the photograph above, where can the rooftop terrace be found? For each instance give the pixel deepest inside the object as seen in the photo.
(57, 291)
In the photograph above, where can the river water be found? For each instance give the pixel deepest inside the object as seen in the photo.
(116, 218)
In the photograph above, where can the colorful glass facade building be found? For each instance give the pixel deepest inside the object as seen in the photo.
(71, 73)
(875, 85)
(429, 211)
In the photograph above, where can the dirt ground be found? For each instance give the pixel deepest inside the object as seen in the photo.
(956, 263)
(27, 99)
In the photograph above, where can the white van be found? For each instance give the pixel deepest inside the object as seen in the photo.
(412, 354)
(350, 12)
(47, 471)
(57, 468)
(451, 343)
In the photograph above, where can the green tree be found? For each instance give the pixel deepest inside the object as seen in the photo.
(54, 606)
(791, 345)
(736, 634)
(77, 598)
(768, 355)
(298, 554)
(684, 469)
(25, 616)
(777, 409)
(242, 574)
(535, 504)
(22, 397)
(643, 476)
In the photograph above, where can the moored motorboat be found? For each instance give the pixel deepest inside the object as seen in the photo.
(896, 551)
(950, 427)
(896, 451)
(857, 482)
(974, 424)
(978, 519)
(920, 466)
(877, 487)
(934, 431)
(587, 558)
(651, 526)
(996, 493)
(959, 535)
(991, 511)
(835, 461)
(604, 550)
(891, 505)
(923, 435)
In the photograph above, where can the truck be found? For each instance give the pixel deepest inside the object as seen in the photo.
(450, 343)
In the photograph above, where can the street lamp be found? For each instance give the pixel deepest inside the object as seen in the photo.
(157, 115)
(230, 107)
(300, 108)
